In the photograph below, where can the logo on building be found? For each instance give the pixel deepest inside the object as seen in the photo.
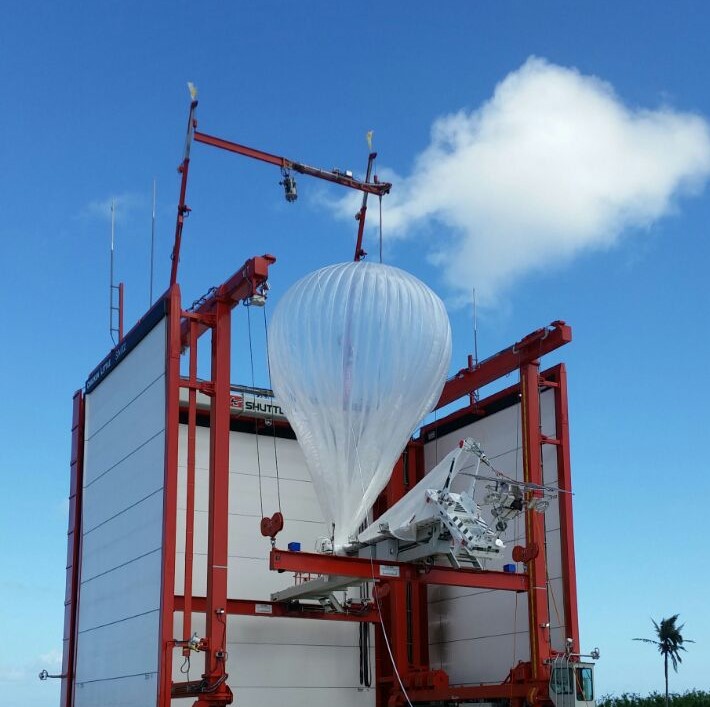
(256, 406)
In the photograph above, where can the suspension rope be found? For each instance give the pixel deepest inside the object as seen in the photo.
(436, 437)
(185, 667)
(380, 228)
(548, 588)
(273, 425)
(256, 422)
(551, 594)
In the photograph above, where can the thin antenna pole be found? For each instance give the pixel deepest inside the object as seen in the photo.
(152, 245)
(111, 287)
(475, 329)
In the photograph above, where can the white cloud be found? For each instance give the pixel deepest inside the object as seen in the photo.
(50, 661)
(553, 165)
(101, 208)
(13, 673)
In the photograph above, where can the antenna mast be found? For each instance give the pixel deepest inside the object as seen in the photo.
(475, 330)
(117, 330)
(473, 360)
(152, 245)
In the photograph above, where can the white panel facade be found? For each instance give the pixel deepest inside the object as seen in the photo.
(478, 635)
(272, 661)
(276, 660)
(119, 596)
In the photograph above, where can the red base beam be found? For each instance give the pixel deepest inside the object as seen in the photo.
(274, 609)
(363, 568)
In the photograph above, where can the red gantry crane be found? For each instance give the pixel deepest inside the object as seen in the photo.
(399, 607)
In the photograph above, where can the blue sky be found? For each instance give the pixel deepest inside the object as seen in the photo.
(94, 106)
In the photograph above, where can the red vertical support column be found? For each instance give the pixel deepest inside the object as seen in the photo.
(405, 606)
(564, 480)
(420, 594)
(172, 423)
(71, 597)
(218, 524)
(391, 633)
(190, 489)
(538, 611)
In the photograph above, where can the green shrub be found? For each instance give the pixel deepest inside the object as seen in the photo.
(691, 698)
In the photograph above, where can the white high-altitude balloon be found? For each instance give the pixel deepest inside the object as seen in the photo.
(359, 354)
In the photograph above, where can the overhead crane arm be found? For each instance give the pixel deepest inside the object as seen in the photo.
(246, 282)
(286, 165)
(329, 175)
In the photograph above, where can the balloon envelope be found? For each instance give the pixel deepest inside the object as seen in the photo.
(359, 354)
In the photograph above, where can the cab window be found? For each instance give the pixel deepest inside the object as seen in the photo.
(560, 682)
(585, 685)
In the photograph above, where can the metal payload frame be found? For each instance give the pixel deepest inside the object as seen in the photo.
(430, 523)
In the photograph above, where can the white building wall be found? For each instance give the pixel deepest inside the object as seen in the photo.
(119, 598)
(475, 635)
(272, 661)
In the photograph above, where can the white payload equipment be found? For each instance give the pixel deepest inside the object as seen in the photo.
(432, 520)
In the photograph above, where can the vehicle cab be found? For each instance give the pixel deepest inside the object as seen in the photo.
(572, 683)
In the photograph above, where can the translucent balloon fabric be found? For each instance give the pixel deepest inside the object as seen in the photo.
(359, 354)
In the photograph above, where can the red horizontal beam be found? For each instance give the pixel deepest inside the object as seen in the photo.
(378, 188)
(533, 346)
(363, 568)
(272, 609)
(240, 149)
(241, 285)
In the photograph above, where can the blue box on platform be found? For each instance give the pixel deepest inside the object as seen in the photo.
(296, 547)
(506, 568)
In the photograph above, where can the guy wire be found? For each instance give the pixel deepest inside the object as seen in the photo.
(273, 425)
(256, 422)
(380, 228)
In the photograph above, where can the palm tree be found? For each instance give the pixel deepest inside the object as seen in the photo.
(669, 643)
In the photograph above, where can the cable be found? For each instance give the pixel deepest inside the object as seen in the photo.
(518, 452)
(364, 628)
(185, 667)
(364, 643)
(551, 594)
(380, 228)
(273, 426)
(387, 640)
(201, 300)
(223, 619)
(256, 422)
(436, 438)
(377, 599)
(515, 641)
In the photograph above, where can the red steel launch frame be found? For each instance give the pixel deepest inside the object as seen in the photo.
(402, 599)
